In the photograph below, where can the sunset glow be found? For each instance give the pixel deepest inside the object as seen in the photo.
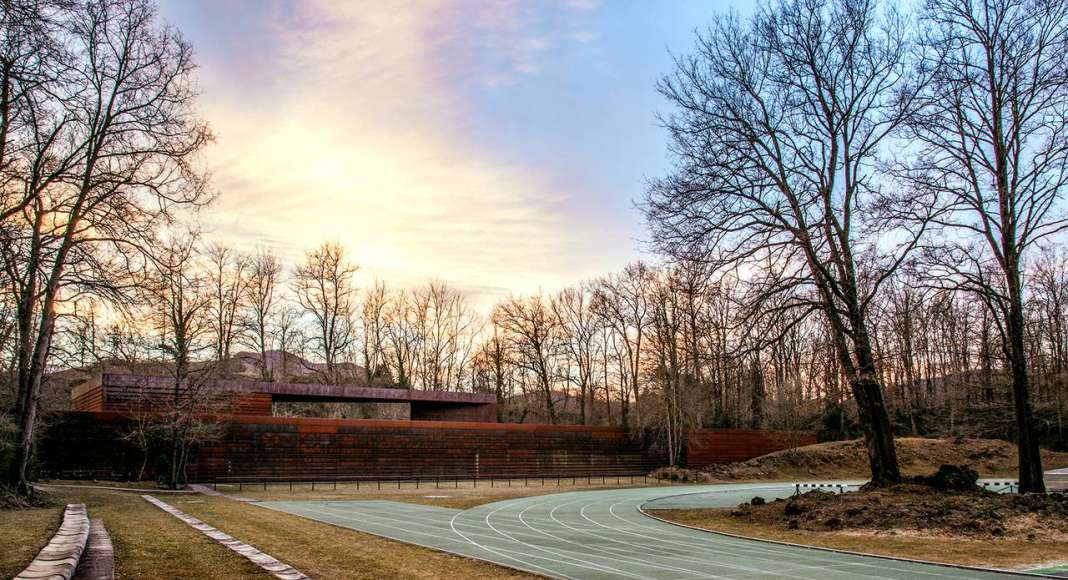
(498, 146)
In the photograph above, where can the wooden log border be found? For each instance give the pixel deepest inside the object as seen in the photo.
(60, 557)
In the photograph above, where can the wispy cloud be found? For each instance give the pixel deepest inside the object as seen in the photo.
(354, 127)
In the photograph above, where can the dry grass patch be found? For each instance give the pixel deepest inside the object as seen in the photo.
(148, 542)
(23, 532)
(998, 553)
(325, 551)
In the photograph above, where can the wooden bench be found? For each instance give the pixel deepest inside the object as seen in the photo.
(59, 559)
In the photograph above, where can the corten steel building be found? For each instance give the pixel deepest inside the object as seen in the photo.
(447, 434)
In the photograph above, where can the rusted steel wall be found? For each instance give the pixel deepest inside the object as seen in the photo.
(90, 445)
(713, 446)
(88, 400)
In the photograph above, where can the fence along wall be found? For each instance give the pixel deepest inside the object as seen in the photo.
(90, 445)
(713, 446)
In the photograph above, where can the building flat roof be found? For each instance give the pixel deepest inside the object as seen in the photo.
(301, 392)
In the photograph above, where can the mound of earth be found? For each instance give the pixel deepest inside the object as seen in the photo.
(918, 509)
(848, 459)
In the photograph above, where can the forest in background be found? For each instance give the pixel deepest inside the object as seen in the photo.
(662, 348)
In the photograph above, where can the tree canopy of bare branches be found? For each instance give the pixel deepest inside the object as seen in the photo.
(99, 144)
(776, 127)
(992, 136)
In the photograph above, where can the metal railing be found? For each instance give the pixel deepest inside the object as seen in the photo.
(359, 483)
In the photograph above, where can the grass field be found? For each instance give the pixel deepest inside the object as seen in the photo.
(152, 544)
(1002, 553)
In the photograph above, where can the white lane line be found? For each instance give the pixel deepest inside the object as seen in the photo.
(582, 563)
(704, 546)
(703, 561)
(632, 549)
(620, 555)
(400, 538)
(719, 549)
(799, 552)
(550, 572)
(640, 548)
(750, 549)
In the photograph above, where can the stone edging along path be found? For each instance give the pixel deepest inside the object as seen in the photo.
(59, 558)
(267, 562)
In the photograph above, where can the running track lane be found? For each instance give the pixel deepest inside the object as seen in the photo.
(604, 534)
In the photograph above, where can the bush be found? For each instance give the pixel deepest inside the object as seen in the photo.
(680, 474)
(951, 478)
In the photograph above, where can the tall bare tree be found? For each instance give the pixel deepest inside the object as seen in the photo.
(445, 331)
(102, 179)
(622, 302)
(373, 326)
(578, 323)
(180, 291)
(993, 138)
(774, 137)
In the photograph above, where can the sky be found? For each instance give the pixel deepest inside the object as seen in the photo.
(498, 146)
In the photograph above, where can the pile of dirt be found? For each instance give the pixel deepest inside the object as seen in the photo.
(917, 510)
(989, 457)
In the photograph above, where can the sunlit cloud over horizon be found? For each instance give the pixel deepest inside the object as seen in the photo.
(498, 146)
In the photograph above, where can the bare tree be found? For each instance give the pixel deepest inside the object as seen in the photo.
(578, 323)
(445, 335)
(622, 302)
(776, 127)
(181, 293)
(373, 319)
(992, 134)
(493, 372)
(323, 285)
(288, 336)
(229, 279)
(402, 338)
(1050, 280)
(261, 308)
(33, 65)
(120, 156)
(533, 334)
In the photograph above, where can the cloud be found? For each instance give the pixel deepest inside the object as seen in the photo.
(355, 129)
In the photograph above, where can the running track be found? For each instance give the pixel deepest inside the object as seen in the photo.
(605, 534)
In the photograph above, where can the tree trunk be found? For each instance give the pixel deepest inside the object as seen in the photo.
(878, 433)
(1030, 459)
(868, 393)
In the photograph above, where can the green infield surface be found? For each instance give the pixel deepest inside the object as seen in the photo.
(605, 534)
